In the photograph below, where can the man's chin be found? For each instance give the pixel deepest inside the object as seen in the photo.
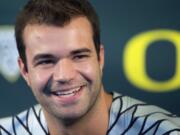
(70, 118)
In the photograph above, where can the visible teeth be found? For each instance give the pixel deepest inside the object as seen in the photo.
(69, 92)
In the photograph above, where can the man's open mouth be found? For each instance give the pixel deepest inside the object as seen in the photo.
(67, 92)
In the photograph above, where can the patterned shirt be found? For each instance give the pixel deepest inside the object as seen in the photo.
(128, 116)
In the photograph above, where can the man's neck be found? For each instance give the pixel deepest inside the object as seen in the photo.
(95, 122)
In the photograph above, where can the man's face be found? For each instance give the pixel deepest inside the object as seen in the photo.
(64, 72)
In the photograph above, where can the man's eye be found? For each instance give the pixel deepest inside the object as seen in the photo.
(79, 57)
(45, 62)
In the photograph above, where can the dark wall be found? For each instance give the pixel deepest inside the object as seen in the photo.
(121, 21)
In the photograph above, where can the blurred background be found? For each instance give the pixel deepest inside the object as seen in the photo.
(142, 53)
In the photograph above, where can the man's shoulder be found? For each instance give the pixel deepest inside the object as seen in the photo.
(24, 123)
(133, 116)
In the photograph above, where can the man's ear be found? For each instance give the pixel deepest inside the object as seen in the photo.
(23, 70)
(101, 57)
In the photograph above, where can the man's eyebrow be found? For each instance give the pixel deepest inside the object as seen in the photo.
(82, 50)
(42, 56)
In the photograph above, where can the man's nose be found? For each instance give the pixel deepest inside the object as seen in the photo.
(64, 71)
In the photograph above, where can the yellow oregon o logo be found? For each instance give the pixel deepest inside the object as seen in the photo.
(134, 60)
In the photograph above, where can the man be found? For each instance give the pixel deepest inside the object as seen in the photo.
(61, 59)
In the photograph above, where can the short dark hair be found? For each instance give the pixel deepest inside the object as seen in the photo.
(56, 13)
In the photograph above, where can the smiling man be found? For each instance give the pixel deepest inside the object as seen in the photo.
(62, 59)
